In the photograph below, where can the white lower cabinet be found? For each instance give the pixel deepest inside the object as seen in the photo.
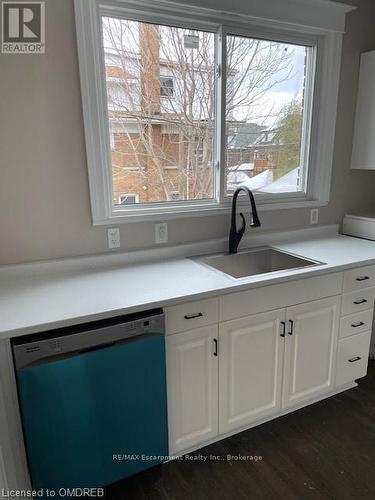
(352, 358)
(250, 369)
(192, 367)
(227, 377)
(310, 347)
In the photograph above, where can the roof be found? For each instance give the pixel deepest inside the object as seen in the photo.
(288, 183)
(250, 134)
(266, 137)
(245, 135)
(238, 179)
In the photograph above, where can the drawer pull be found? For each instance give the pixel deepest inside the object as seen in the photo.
(362, 278)
(360, 301)
(192, 316)
(356, 325)
(353, 360)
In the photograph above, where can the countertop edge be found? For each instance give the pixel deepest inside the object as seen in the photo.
(179, 299)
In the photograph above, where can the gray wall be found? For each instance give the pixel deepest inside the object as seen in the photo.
(44, 196)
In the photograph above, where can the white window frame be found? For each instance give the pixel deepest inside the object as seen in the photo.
(318, 23)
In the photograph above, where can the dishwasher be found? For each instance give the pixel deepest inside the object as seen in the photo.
(93, 400)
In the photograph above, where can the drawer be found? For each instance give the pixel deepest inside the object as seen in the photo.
(191, 315)
(352, 358)
(357, 301)
(356, 323)
(266, 298)
(362, 277)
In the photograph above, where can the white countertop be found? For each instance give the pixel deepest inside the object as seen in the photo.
(39, 297)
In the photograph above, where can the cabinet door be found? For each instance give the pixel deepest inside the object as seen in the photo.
(310, 348)
(192, 368)
(250, 369)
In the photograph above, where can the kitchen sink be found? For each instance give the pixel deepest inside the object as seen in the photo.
(253, 262)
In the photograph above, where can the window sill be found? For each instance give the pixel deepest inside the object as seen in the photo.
(165, 214)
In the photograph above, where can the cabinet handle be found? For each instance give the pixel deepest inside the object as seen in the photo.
(215, 347)
(192, 316)
(291, 327)
(353, 360)
(282, 323)
(360, 301)
(362, 278)
(356, 325)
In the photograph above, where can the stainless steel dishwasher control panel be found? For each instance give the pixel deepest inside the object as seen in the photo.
(66, 341)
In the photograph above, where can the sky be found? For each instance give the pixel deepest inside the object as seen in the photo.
(281, 93)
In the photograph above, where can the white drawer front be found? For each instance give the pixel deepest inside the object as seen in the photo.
(352, 358)
(191, 315)
(363, 277)
(359, 300)
(356, 323)
(235, 305)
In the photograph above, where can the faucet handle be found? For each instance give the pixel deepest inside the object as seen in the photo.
(243, 226)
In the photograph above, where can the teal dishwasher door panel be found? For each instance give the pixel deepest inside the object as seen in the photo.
(97, 417)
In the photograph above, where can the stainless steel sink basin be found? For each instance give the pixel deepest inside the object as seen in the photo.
(248, 263)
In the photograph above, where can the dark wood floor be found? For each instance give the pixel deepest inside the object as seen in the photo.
(324, 451)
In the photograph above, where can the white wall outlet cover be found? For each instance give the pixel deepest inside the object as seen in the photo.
(161, 233)
(314, 216)
(114, 237)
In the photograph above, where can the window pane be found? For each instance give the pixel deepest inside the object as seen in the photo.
(160, 93)
(265, 99)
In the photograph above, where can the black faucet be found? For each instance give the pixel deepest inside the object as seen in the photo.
(234, 235)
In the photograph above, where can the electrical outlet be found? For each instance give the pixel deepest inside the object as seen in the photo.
(161, 233)
(314, 216)
(113, 237)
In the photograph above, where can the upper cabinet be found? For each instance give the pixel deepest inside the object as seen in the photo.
(363, 156)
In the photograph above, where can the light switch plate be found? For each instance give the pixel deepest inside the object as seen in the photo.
(161, 233)
(314, 216)
(114, 237)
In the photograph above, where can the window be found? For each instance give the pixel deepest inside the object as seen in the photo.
(174, 114)
(200, 151)
(112, 140)
(267, 100)
(175, 195)
(166, 86)
(249, 103)
(128, 199)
